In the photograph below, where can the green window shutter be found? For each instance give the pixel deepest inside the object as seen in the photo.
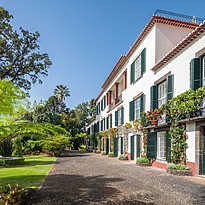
(196, 73)
(116, 118)
(132, 73)
(170, 85)
(111, 121)
(101, 125)
(151, 145)
(98, 129)
(138, 145)
(107, 123)
(104, 101)
(104, 124)
(96, 110)
(121, 145)
(101, 104)
(132, 110)
(154, 97)
(143, 61)
(122, 115)
(168, 146)
(141, 103)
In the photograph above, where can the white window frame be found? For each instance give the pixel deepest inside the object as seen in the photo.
(161, 145)
(137, 108)
(162, 93)
(119, 117)
(138, 67)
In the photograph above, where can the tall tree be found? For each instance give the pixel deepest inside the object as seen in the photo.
(92, 109)
(61, 92)
(20, 59)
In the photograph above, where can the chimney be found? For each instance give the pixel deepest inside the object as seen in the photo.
(194, 19)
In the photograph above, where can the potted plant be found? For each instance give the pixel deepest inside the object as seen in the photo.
(94, 150)
(103, 152)
(179, 169)
(111, 154)
(98, 151)
(123, 157)
(143, 161)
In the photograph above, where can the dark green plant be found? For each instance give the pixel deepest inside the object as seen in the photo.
(111, 153)
(178, 166)
(17, 147)
(143, 160)
(123, 156)
(5, 162)
(6, 148)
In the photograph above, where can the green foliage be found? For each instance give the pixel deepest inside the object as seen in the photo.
(21, 60)
(15, 161)
(48, 117)
(92, 110)
(94, 150)
(56, 144)
(13, 101)
(143, 160)
(123, 156)
(82, 147)
(17, 147)
(6, 148)
(11, 194)
(111, 153)
(103, 152)
(178, 166)
(98, 151)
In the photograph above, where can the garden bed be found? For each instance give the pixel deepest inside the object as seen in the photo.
(180, 172)
(4, 161)
(110, 155)
(123, 159)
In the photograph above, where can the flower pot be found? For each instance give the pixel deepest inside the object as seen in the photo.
(180, 172)
(143, 164)
(123, 159)
(110, 155)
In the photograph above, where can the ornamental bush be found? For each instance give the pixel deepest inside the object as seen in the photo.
(178, 166)
(103, 152)
(143, 160)
(111, 153)
(98, 151)
(123, 156)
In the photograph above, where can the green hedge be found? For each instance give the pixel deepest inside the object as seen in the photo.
(4, 162)
(178, 166)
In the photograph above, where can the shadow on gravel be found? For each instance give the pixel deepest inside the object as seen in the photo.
(76, 189)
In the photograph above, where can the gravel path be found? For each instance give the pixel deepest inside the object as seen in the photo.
(86, 178)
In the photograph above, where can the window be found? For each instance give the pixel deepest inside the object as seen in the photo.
(137, 103)
(138, 67)
(119, 117)
(161, 145)
(162, 92)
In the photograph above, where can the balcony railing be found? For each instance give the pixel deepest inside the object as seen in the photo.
(118, 99)
(110, 106)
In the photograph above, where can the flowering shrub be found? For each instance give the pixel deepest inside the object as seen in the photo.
(11, 194)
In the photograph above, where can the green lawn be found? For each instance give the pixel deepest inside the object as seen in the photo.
(28, 175)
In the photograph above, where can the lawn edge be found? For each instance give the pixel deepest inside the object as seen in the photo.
(41, 185)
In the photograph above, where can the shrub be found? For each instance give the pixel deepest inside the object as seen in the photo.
(94, 150)
(178, 166)
(111, 153)
(83, 147)
(11, 194)
(123, 156)
(143, 160)
(17, 147)
(6, 148)
(103, 152)
(4, 162)
(98, 151)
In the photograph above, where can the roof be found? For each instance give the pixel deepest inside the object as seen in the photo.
(148, 27)
(182, 44)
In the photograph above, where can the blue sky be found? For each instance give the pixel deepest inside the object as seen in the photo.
(85, 38)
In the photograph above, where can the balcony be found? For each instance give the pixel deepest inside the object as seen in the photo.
(118, 99)
(110, 106)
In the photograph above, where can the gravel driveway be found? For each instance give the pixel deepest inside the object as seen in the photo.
(80, 177)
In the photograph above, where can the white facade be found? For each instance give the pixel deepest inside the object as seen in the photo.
(160, 40)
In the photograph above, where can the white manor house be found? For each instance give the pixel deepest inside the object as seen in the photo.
(167, 59)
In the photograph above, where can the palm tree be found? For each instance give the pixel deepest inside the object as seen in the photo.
(61, 92)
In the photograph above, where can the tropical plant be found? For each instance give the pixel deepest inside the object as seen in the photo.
(6, 148)
(61, 92)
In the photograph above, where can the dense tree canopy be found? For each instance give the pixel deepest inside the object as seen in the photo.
(20, 58)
